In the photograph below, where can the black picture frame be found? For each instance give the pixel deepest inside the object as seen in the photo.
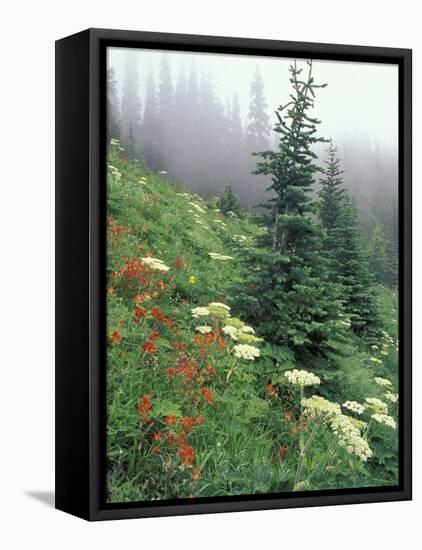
(80, 271)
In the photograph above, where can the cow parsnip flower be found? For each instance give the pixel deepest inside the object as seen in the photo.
(231, 331)
(247, 330)
(385, 419)
(349, 437)
(382, 381)
(199, 312)
(219, 304)
(156, 264)
(376, 405)
(220, 257)
(392, 397)
(354, 406)
(301, 378)
(244, 351)
(204, 329)
(319, 407)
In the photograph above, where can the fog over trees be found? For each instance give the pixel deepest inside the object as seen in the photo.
(201, 117)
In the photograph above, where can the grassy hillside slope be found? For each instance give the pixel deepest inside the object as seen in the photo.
(189, 412)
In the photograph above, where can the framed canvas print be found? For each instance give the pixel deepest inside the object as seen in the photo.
(233, 274)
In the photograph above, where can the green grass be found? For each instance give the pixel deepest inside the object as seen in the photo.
(246, 434)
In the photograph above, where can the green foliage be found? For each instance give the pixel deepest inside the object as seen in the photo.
(192, 410)
(383, 256)
(229, 203)
(288, 292)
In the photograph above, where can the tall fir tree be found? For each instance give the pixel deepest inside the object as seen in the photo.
(348, 264)
(165, 111)
(349, 268)
(131, 104)
(383, 257)
(113, 107)
(332, 190)
(257, 126)
(288, 294)
(150, 134)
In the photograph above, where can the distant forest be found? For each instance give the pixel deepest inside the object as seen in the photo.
(182, 127)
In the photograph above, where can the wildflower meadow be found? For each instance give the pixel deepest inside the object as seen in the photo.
(248, 351)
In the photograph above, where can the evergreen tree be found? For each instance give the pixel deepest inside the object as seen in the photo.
(349, 268)
(257, 127)
(288, 293)
(113, 111)
(229, 202)
(150, 134)
(332, 191)
(383, 257)
(348, 265)
(131, 104)
(165, 111)
(130, 144)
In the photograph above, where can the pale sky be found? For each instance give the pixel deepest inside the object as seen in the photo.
(361, 99)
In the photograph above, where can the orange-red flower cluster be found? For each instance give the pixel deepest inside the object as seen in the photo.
(149, 347)
(187, 454)
(144, 406)
(179, 263)
(115, 337)
(207, 395)
(115, 229)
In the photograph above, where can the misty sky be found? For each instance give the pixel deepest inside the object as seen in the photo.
(360, 101)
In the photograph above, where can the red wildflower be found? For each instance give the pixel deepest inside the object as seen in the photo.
(154, 335)
(188, 422)
(144, 406)
(115, 337)
(139, 312)
(170, 372)
(187, 455)
(158, 436)
(207, 395)
(176, 346)
(211, 370)
(179, 263)
(200, 419)
(170, 420)
(157, 314)
(150, 347)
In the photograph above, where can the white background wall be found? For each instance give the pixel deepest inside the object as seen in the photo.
(28, 31)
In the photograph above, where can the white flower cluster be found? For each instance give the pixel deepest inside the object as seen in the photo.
(301, 378)
(199, 208)
(247, 330)
(349, 437)
(204, 329)
(221, 257)
(244, 351)
(142, 180)
(200, 312)
(376, 405)
(375, 360)
(382, 382)
(220, 305)
(392, 397)
(354, 406)
(231, 331)
(115, 172)
(385, 419)
(318, 407)
(153, 263)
